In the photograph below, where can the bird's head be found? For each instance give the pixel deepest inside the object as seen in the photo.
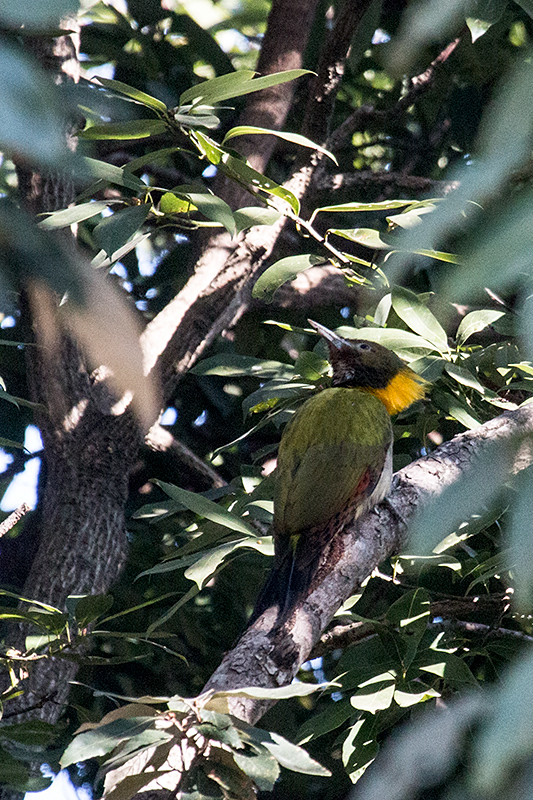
(360, 364)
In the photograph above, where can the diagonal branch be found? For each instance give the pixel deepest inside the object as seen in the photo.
(268, 656)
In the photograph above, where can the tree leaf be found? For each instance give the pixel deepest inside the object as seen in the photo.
(135, 94)
(90, 607)
(261, 768)
(206, 508)
(74, 214)
(476, 488)
(129, 129)
(359, 749)
(113, 232)
(420, 319)
(521, 541)
(368, 237)
(212, 207)
(279, 273)
(239, 170)
(295, 138)
(109, 173)
(104, 739)
(476, 321)
(376, 694)
(394, 338)
(236, 84)
(249, 217)
(288, 755)
(234, 365)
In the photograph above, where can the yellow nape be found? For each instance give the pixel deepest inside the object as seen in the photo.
(402, 391)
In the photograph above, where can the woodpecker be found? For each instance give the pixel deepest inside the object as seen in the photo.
(334, 461)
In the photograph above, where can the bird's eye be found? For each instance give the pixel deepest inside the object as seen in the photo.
(364, 346)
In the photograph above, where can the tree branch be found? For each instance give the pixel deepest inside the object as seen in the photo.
(268, 656)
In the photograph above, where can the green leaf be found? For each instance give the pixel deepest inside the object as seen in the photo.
(249, 217)
(394, 338)
(296, 689)
(476, 321)
(35, 733)
(101, 170)
(311, 366)
(261, 768)
(410, 693)
(282, 271)
(236, 84)
(452, 669)
(419, 318)
(368, 237)
(359, 749)
(456, 408)
(74, 214)
(465, 377)
(410, 762)
(330, 719)
(90, 607)
(13, 773)
(212, 207)
(135, 94)
(411, 613)
(206, 566)
(130, 129)
(375, 694)
(295, 138)
(239, 170)
(102, 260)
(483, 14)
(231, 365)
(288, 755)
(527, 5)
(171, 204)
(103, 739)
(206, 508)
(113, 232)
(382, 206)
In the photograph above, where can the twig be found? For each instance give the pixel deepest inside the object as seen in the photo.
(13, 518)
(161, 440)
(479, 629)
(365, 115)
(366, 179)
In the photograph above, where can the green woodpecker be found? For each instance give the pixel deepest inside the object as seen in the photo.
(334, 461)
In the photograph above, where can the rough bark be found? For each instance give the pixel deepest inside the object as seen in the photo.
(268, 656)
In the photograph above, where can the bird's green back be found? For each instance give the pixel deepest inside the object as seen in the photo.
(327, 448)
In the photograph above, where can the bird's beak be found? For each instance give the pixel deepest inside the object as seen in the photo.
(329, 336)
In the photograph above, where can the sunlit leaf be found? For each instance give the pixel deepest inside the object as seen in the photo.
(295, 138)
(236, 84)
(420, 319)
(282, 271)
(476, 321)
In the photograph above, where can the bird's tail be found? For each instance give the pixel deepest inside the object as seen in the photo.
(288, 582)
